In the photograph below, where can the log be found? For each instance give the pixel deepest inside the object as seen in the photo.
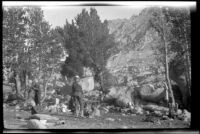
(44, 117)
(152, 107)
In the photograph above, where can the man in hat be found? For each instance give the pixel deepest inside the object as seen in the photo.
(77, 95)
(37, 89)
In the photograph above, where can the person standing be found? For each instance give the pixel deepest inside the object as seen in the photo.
(37, 96)
(77, 96)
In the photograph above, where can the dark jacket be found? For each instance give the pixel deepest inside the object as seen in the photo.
(37, 96)
(76, 89)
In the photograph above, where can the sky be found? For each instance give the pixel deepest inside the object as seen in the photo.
(56, 16)
(56, 13)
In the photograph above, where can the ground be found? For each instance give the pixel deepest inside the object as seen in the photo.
(12, 121)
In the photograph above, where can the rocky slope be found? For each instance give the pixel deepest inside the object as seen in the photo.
(136, 63)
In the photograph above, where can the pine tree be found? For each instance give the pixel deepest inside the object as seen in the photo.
(88, 43)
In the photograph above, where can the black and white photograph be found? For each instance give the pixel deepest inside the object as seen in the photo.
(96, 65)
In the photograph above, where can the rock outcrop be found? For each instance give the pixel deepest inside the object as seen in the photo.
(137, 60)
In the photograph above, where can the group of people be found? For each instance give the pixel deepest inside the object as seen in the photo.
(76, 96)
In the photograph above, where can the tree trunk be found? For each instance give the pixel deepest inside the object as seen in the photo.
(23, 82)
(45, 88)
(166, 92)
(101, 82)
(166, 61)
(99, 78)
(168, 79)
(187, 61)
(26, 86)
(45, 91)
(187, 74)
(17, 84)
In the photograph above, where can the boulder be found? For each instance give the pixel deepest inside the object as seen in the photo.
(139, 110)
(112, 93)
(186, 116)
(158, 113)
(148, 93)
(122, 95)
(36, 124)
(87, 83)
(122, 101)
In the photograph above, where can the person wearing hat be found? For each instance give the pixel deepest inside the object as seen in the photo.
(37, 90)
(77, 94)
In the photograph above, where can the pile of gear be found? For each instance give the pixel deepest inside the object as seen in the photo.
(56, 107)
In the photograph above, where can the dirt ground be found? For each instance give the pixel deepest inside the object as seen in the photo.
(16, 120)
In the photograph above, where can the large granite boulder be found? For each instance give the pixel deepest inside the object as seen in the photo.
(36, 124)
(148, 93)
(122, 95)
(87, 83)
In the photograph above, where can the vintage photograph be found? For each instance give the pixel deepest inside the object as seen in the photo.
(96, 65)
